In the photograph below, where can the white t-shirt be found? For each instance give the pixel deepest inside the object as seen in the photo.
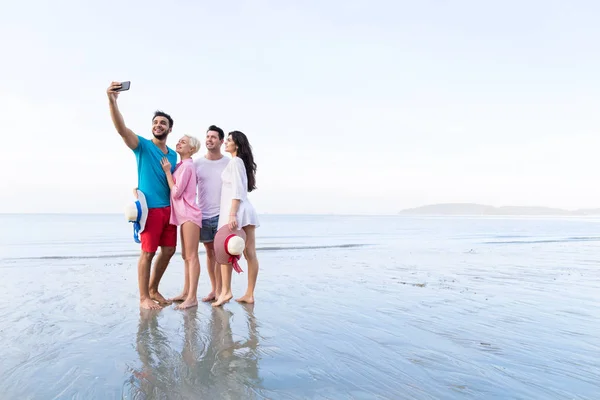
(208, 180)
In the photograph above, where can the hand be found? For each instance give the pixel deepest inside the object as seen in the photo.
(112, 95)
(233, 223)
(135, 193)
(166, 165)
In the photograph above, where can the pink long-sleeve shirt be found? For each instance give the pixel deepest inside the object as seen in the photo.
(183, 195)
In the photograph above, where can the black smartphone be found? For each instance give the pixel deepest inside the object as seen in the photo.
(124, 86)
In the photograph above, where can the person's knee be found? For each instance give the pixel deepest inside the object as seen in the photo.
(147, 256)
(167, 251)
(250, 254)
(210, 250)
(193, 257)
(210, 254)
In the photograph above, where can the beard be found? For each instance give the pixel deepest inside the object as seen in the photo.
(160, 137)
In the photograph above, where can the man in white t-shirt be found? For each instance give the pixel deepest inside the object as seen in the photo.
(208, 179)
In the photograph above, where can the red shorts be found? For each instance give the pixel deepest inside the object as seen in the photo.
(158, 231)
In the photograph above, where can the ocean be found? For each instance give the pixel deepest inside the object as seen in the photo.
(347, 307)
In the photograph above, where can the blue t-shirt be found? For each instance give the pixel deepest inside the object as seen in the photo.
(152, 180)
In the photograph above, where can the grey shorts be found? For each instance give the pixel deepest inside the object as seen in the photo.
(209, 229)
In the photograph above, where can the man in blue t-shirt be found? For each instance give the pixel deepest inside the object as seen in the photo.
(152, 181)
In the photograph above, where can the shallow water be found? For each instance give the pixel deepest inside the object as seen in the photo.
(347, 307)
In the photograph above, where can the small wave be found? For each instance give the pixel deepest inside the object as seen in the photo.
(100, 256)
(135, 255)
(534, 241)
(335, 246)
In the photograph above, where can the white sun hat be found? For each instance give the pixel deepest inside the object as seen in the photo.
(136, 212)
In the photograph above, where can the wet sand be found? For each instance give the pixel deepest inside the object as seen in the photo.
(427, 309)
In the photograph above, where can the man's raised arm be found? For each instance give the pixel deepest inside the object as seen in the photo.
(130, 138)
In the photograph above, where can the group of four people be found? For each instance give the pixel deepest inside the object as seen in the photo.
(200, 197)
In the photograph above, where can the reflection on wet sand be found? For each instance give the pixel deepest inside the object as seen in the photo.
(210, 364)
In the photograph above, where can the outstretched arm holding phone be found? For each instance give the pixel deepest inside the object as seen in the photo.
(130, 138)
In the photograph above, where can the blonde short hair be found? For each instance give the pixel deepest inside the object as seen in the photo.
(194, 143)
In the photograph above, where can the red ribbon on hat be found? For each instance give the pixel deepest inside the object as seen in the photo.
(233, 260)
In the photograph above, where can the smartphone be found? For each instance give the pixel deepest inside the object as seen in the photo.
(124, 86)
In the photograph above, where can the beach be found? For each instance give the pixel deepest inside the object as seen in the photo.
(347, 307)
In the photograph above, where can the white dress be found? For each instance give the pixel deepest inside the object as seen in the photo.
(235, 186)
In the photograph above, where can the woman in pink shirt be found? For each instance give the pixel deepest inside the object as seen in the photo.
(186, 214)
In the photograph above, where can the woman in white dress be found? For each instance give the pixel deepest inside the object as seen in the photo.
(237, 211)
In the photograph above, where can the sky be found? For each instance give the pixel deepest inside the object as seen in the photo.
(351, 107)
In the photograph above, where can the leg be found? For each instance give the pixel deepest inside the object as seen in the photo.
(226, 294)
(160, 266)
(186, 271)
(167, 243)
(150, 237)
(207, 236)
(214, 272)
(191, 232)
(144, 264)
(250, 256)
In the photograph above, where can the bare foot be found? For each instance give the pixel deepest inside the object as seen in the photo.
(209, 297)
(188, 303)
(148, 304)
(246, 299)
(224, 298)
(181, 297)
(159, 298)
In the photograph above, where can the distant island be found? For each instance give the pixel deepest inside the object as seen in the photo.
(482, 209)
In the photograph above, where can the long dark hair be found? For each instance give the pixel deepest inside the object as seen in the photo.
(244, 151)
